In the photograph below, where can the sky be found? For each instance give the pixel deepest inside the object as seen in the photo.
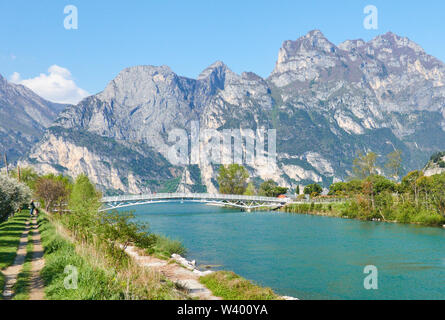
(65, 65)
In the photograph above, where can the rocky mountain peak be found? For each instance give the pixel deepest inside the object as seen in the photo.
(302, 60)
(215, 76)
(313, 40)
(350, 45)
(218, 68)
(393, 41)
(134, 83)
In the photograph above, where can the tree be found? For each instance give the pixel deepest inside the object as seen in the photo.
(364, 165)
(51, 190)
(232, 179)
(313, 189)
(84, 196)
(394, 164)
(250, 191)
(267, 187)
(438, 192)
(84, 204)
(409, 184)
(120, 229)
(270, 188)
(13, 195)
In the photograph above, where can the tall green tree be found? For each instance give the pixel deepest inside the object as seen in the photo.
(438, 192)
(250, 191)
(232, 179)
(313, 189)
(270, 188)
(84, 205)
(84, 196)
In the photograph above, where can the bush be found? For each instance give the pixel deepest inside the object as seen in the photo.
(13, 196)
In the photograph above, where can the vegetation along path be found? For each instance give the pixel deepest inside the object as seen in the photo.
(13, 271)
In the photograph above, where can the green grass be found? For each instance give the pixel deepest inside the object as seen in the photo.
(102, 274)
(10, 232)
(165, 247)
(93, 283)
(324, 209)
(231, 286)
(22, 286)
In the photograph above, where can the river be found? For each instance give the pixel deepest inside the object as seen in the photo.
(308, 257)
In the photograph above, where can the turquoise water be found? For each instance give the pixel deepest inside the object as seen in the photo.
(308, 257)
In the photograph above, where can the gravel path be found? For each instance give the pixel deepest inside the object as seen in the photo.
(37, 291)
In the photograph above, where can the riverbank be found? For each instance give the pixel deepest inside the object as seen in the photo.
(135, 275)
(106, 275)
(345, 210)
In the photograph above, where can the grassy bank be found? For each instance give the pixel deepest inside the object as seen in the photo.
(352, 210)
(102, 275)
(231, 286)
(10, 232)
(321, 209)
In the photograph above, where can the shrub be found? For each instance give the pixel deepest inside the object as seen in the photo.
(13, 196)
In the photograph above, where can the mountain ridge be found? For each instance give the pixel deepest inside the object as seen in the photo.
(326, 102)
(24, 116)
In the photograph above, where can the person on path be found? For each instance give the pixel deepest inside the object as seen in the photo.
(32, 206)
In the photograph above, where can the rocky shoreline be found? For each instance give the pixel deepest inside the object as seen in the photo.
(191, 265)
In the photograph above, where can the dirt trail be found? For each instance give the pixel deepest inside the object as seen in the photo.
(13, 271)
(37, 291)
(176, 273)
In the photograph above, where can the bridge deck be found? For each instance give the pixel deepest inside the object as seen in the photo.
(240, 201)
(193, 196)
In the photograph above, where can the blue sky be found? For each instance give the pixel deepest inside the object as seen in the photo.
(190, 35)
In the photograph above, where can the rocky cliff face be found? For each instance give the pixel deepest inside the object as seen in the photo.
(436, 165)
(24, 116)
(327, 103)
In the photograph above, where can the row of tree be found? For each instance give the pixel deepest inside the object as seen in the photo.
(415, 198)
(234, 179)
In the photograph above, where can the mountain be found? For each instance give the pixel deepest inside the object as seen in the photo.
(326, 101)
(24, 116)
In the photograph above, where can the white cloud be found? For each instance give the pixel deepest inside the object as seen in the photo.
(56, 86)
(15, 77)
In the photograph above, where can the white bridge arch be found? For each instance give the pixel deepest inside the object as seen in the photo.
(244, 202)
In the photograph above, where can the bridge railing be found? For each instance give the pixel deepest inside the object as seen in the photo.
(179, 196)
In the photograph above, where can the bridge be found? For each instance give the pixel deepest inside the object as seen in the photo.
(247, 203)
